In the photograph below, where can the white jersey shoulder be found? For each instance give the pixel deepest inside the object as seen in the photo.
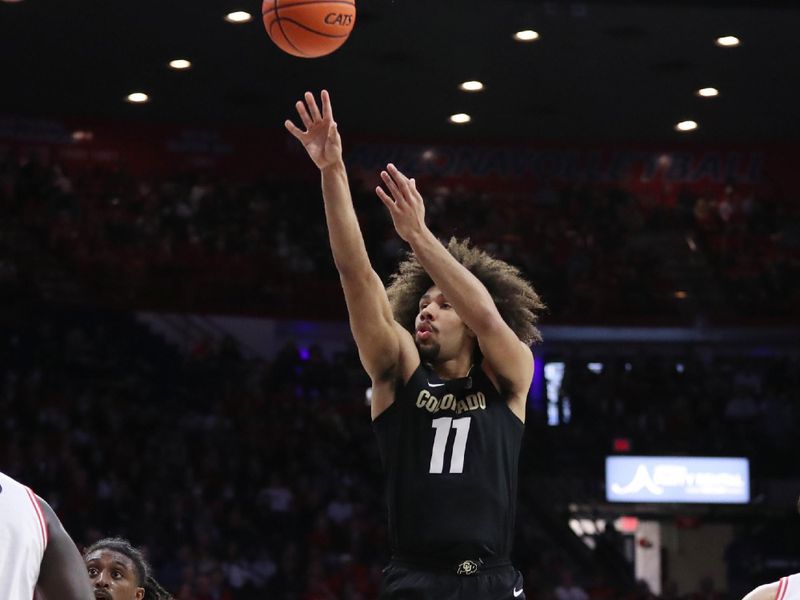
(23, 539)
(789, 588)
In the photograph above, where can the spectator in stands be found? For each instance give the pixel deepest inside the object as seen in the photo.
(568, 589)
(706, 590)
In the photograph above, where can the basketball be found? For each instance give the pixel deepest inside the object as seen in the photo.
(308, 28)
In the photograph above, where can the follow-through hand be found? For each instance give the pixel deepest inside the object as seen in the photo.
(321, 137)
(404, 202)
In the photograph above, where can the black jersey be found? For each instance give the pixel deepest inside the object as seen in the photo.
(450, 451)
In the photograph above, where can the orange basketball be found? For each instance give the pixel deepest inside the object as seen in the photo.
(309, 28)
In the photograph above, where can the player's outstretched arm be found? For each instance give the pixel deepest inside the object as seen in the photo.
(62, 575)
(376, 333)
(510, 359)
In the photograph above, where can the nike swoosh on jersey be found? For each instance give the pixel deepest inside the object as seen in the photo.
(435, 384)
(517, 593)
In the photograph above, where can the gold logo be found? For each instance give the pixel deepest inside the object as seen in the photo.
(468, 567)
(449, 402)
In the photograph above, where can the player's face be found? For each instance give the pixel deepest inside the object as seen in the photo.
(113, 576)
(440, 334)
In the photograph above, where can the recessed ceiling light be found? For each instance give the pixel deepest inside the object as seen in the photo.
(707, 92)
(728, 41)
(526, 35)
(471, 86)
(138, 97)
(180, 64)
(680, 294)
(686, 126)
(460, 118)
(238, 16)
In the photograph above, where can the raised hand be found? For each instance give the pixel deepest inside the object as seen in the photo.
(405, 203)
(321, 138)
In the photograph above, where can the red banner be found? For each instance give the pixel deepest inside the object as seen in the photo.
(152, 150)
(248, 153)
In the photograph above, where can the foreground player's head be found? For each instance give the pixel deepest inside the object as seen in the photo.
(439, 331)
(418, 304)
(118, 571)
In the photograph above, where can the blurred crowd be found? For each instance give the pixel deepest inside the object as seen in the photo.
(202, 243)
(753, 245)
(245, 478)
(739, 405)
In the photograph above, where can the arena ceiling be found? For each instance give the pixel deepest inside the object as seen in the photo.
(601, 70)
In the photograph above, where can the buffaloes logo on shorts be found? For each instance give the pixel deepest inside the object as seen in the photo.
(468, 567)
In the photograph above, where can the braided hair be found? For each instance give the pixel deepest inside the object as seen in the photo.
(144, 577)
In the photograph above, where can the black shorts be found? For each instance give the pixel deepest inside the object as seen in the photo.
(406, 582)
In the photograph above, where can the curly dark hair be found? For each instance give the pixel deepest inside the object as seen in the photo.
(144, 577)
(515, 298)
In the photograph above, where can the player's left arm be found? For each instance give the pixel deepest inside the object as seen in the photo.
(509, 359)
(62, 574)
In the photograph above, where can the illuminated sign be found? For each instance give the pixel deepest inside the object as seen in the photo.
(677, 479)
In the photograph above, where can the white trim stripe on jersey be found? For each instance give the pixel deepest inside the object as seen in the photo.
(789, 588)
(38, 509)
(23, 540)
(781, 588)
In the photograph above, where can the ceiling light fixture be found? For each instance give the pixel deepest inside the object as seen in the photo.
(471, 86)
(138, 97)
(180, 64)
(728, 41)
(707, 92)
(526, 35)
(238, 16)
(460, 118)
(684, 126)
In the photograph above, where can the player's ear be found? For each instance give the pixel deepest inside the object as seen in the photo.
(139, 593)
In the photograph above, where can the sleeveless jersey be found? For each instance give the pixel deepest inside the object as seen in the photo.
(23, 539)
(450, 452)
(789, 588)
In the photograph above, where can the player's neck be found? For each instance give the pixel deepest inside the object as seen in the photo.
(454, 368)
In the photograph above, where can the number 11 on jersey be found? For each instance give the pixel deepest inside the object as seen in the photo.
(442, 426)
